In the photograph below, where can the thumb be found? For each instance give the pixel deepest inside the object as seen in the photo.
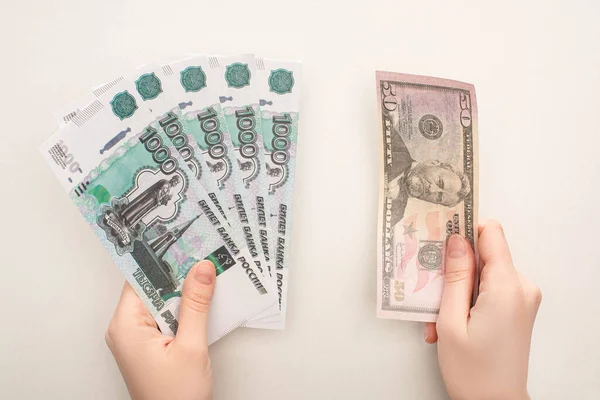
(197, 293)
(458, 285)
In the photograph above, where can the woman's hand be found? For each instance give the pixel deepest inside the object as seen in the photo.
(160, 367)
(483, 351)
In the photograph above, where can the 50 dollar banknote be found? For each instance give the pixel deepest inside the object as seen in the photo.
(428, 131)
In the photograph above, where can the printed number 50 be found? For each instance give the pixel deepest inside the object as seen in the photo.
(465, 107)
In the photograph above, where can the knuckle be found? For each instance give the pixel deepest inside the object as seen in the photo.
(200, 353)
(512, 296)
(457, 275)
(198, 301)
(208, 368)
(493, 224)
(536, 294)
(108, 339)
(110, 335)
(442, 328)
(531, 291)
(446, 332)
(206, 361)
(514, 291)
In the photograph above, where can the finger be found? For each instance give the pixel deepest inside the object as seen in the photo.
(533, 294)
(492, 246)
(479, 229)
(131, 316)
(458, 285)
(131, 311)
(197, 293)
(430, 332)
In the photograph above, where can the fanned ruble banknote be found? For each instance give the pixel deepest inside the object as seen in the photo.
(192, 88)
(228, 186)
(238, 92)
(428, 131)
(149, 211)
(183, 86)
(279, 87)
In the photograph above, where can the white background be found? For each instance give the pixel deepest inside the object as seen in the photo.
(536, 68)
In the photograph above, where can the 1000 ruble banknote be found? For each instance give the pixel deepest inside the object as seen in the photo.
(428, 129)
(122, 166)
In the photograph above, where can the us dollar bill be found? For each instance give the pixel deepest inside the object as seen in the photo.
(150, 214)
(428, 192)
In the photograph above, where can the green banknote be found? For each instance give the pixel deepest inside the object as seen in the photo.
(149, 83)
(66, 113)
(149, 212)
(237, 88)
(190, 93)
(279, 84)
(160, 91)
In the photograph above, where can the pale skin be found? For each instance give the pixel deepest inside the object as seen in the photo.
(160, 367)
(483, 351)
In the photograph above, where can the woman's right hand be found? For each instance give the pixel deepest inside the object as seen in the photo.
(483, 351)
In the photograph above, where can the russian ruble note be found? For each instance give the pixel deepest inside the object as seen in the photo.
(279, 84)
(164, 88)
(64, 114)
(149, 83)
(187, 95)
(190, 88)
(152, 217)
(428, 129)
(238, 92)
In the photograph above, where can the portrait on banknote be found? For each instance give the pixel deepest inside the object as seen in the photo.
(430, 180)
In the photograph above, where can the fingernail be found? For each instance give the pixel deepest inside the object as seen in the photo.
(426, 333)
(204, 272)
(456, 247)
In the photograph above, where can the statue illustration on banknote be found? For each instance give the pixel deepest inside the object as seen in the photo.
(122, 221)
(127, 218)
(132, 141)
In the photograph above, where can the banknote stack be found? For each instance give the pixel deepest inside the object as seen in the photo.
(188, 161)
(428, 191)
